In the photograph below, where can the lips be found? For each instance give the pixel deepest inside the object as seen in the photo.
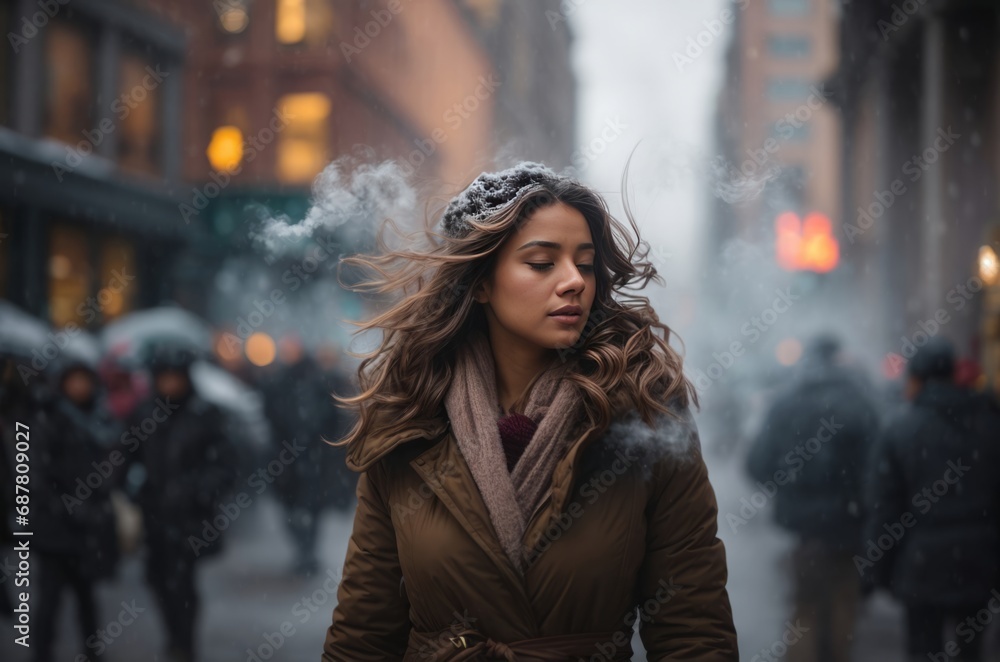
(569, 315)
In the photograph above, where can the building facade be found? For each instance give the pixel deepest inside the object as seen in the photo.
(919, 96)
(90, 154)
(776, 131)
(138, 132)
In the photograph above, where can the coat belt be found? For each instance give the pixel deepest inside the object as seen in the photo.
(453, 645)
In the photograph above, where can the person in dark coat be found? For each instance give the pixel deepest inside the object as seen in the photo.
(73, 521)
(18, 401)
(810, 457)
(337, 482)
(298, 405)
(933, 496)
(190, 467)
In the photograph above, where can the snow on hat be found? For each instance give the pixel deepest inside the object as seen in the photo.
(492, 192)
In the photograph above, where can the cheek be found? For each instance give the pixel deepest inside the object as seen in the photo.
(522, 290)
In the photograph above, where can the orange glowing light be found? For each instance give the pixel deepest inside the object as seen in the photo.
(806, 245)
(260, 349)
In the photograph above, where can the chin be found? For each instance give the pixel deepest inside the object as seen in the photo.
(565, 340)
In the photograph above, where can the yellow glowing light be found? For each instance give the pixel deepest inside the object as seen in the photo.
(299, 160)
(305, 107)
(225, 151)
(290, 26)
(301, 151)
(234, 20)
(260, 349)
(989, 265)
(788, 351)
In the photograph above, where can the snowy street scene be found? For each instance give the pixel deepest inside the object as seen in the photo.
(499, 330)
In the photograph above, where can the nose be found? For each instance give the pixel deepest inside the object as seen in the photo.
(572, 280)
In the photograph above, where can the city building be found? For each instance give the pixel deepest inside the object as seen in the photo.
(139, 134)
(90, 157)
(918, 89)
(776, 132)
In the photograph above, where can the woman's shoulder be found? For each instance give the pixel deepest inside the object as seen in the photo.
(670, 441)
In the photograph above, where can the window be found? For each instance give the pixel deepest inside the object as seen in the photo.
(69, 275)
(787, 45)
(785, 130)
(69, 83)
(92, 280)
(302, 144)
(137, 112)
(788, 7)
(309, 22)
(119, 286)
(788, 89)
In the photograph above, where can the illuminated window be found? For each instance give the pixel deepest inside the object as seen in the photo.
(302, 144)
(119, 284)
(69, 275)
(69, 83)
(137, 112)
(309, 22)
(290, 24)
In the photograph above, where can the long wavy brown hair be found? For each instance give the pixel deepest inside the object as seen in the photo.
(621, 363)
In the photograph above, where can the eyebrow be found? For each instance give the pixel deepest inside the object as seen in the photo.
(552, 244)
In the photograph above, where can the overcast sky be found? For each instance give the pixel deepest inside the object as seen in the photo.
(625, 64)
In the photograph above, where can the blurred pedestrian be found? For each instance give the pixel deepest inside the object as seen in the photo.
(190, 466)
(74, 534)
(338, 483)
(933, 499)
(297, 405)
(810, 454)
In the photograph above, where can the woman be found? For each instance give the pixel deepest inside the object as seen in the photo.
(512, 504)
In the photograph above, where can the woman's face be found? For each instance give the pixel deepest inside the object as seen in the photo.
(544, 266)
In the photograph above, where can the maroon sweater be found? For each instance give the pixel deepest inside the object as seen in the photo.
(516, 431)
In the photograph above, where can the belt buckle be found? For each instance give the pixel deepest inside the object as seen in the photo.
(458, 642)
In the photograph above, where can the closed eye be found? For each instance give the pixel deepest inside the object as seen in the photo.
(544, 266)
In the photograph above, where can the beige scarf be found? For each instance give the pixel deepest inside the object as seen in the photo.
(471, 402)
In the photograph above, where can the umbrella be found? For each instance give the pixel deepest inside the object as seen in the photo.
(242, 406)
(21, 334)
(128, 336)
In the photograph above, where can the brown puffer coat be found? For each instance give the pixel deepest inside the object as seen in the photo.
(623, 536)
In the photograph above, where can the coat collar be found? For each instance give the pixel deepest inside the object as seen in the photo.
(376, 446)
